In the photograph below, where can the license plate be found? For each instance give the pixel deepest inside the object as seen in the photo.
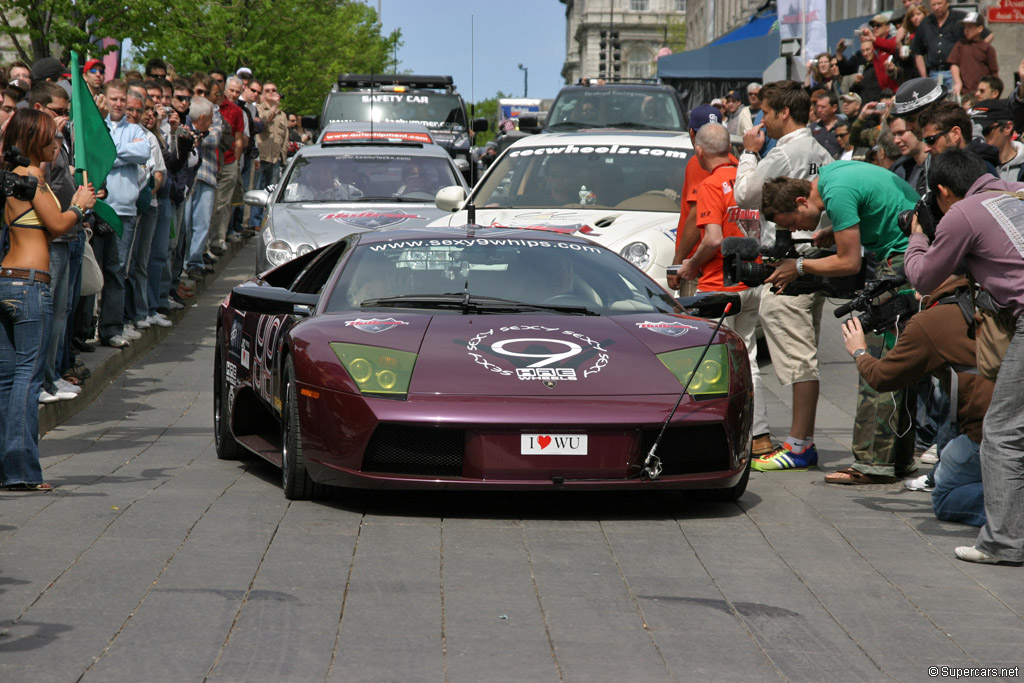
(554, 444)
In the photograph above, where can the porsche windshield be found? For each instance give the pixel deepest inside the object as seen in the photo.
(606, 107)
(630, 178)
(495, 274)
(367, 177)
(434, 110)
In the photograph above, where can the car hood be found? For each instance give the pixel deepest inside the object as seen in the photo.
(524, 355)
(322, 223)
(612, 228)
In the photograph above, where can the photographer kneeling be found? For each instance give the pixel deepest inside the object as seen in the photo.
(984, 226)
(937, 338)
(861, 203)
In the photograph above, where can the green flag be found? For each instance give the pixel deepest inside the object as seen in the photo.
(94, 148)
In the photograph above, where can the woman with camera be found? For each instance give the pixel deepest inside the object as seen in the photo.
(25, 303)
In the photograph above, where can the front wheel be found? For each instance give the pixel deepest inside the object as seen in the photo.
(295, 479)
(224, 440)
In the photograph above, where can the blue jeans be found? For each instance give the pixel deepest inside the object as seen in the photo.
(1002, 459)
(136, 297)
(60, 257)
(198, 213)
(76, 251)
(943, 77)
(933, 425)
(159, 257)
(112, 254)
(269, 174)
(958, 495)
(25, 310)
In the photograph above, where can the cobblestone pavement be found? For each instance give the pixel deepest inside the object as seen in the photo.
(154, 561)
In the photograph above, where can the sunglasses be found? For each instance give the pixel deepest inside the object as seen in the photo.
(183, 98)
(932, 139)
(258, 91)
(199, 91)
(64, 111)
(97, 70)
(875, 24)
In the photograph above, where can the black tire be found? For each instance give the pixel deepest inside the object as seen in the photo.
(732, 493)
(295, 479)
(223, 439)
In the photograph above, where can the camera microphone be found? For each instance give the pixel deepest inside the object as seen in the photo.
(746, 248)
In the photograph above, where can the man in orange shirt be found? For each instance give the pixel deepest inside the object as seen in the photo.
(687, 234)
(717, 217)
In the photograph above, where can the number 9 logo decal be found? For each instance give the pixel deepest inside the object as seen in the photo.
(547, 358)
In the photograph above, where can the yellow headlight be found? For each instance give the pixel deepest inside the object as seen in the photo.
(377, 370)
(711, 380)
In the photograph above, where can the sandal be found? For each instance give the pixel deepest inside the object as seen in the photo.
(850, 476)
(43, 487)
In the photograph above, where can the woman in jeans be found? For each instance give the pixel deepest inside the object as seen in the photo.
(25, 304)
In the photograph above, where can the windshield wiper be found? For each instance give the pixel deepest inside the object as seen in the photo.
(473, 304)
(571, 124)
(634, 124)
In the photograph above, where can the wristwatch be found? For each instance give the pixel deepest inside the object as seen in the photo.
(800, 266)
(859, 352)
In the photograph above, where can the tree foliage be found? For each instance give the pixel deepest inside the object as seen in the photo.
(301, 45)
(488, 109)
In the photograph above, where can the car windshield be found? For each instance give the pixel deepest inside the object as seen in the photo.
(430, 109)
(603, 107)
(367, 177)
(627, 177)
(495, 275)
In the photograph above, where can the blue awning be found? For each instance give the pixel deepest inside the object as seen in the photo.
(743, 59)
(755, 28)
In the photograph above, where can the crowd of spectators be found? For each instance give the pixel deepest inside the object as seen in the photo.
(187, 147)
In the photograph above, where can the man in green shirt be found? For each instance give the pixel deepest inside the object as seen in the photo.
(860, 202)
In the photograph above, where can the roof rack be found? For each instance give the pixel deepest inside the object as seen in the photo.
(373, 80)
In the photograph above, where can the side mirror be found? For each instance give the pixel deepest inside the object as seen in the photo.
(256, 198)
(710, 305)
(461, 164)
(272, 300)
(311, 122)
(480, 125)
(528, 121)
(450, 198)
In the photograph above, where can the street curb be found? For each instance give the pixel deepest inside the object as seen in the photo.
(107, 363)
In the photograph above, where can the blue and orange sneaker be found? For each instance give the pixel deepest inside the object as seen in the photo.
(784, 458)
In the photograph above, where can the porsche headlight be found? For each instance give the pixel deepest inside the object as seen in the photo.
(710, 380)
(377, 370)
(278, 252)
(639, 254)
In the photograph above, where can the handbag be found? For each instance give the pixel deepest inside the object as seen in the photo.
(92, 275)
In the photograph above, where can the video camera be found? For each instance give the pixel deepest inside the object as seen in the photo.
(14, 185)
(739, 265)
(878, 317)
(928, 215)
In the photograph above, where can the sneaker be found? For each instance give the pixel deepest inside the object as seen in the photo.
(65, 385)
(142, 324)
(195, 274)
(47, 397)
(783, 458)
(129, 332)
(970, 553)
(234, 237)
(117, 342)
(930, 456)
(175, 305)
(159, 319)
(919, 484)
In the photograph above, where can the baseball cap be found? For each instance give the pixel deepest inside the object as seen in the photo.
(18, 88)
(48, 67)
(916, 94)
(244, 72)
(91, 63)
(880, 19)
(733, 95)
(851, 97)
(991, 111)
(703, 114)
(972, 18)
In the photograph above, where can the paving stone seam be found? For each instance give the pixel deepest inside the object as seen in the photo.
(540, 602)
(895, 586)
(729, 603)
(444, 625)
(344, 597)
(636, 601)
(248, 591)
(243, 472)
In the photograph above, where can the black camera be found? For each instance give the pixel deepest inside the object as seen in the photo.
(739, 266)
(892, 307)
(928, 215)
(13, 185)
